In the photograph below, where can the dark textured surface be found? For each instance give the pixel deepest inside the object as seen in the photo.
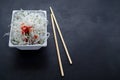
(91, 29)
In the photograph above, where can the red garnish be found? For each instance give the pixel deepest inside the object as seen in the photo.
(26, 29)
(35, 36)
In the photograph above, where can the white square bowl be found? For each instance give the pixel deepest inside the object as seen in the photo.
(34, 46)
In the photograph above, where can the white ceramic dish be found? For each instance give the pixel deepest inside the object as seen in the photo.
(34, 46)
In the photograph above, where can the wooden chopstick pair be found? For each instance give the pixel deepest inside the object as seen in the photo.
(54, 21)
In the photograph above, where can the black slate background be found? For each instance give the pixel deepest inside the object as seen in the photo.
(91, 29)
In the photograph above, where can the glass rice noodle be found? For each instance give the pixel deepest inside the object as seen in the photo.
(28, 27)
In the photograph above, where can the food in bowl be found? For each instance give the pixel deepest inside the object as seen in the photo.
(28, 27)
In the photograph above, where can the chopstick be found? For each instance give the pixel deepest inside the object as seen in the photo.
(57, 47)
(58, 28)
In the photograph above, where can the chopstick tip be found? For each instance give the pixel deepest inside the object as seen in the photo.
(62, 75)
(50, 8)
(71, 63)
